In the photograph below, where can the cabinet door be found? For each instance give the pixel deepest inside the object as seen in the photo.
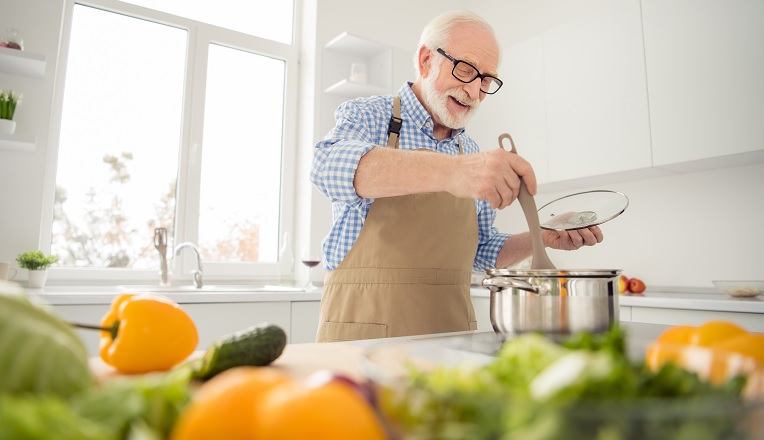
(84, 314)
(219, 319)
(705, 71)
(304, 321)
(524, 104)
(482, 306)
(596, 95)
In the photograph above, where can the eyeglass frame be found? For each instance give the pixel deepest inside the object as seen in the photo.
(477, 73)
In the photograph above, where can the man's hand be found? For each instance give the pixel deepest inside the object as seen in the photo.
(572, 240)
(493, 176)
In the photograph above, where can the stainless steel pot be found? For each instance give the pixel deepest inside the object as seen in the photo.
(553, 301)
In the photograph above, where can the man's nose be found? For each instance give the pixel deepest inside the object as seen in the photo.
(473, 88)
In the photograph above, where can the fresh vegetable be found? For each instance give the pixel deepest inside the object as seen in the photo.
(146, 332)
(39, 353)
(258, 345)
(716, 350)
(139, 407)
(583, 387)
(223, 407)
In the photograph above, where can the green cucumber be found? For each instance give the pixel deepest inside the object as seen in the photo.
(258, 345)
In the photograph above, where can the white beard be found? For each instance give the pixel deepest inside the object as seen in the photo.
(437, 103)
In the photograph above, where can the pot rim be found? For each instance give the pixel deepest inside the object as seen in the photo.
(555, 273)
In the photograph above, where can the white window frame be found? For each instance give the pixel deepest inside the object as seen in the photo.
(200, 36)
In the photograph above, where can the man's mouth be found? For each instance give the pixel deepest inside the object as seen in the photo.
(459, 103)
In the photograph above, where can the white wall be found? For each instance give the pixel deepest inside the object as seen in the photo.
(680, 230)
(22, 174)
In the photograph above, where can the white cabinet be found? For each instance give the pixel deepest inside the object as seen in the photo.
(17, 62)
(212, 320)
(653, 315)
(705, 71)
(482, 306)
(524, 103)
(90, 314)
(596, 93)
(304, 324)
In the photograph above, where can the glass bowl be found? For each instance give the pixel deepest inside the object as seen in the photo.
(740, 289)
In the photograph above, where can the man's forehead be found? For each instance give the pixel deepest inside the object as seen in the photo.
(476, 46)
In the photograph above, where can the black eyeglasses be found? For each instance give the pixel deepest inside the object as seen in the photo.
(466, 73)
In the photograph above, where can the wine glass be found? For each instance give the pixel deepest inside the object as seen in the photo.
(310, 257)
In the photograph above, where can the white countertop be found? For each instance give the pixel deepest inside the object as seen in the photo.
(674, 298)
(691, 299)
(104, 294)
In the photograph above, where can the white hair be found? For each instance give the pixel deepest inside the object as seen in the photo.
(438, 31)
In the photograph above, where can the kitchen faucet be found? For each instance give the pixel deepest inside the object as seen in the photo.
(196, 274)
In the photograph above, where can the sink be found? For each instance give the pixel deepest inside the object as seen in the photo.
(209, 288)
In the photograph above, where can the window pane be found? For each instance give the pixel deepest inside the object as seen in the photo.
(120, 137)
(262, 18)
(241, 156)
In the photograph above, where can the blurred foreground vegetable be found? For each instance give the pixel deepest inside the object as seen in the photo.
(584, 387)
(39, 353)
(146, 332)
(256, 346)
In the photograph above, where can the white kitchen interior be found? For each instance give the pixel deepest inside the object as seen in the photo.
(660, 100)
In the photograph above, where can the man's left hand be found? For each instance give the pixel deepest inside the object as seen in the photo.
(572, 240)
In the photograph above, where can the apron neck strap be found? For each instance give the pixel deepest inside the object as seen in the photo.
(394, 129)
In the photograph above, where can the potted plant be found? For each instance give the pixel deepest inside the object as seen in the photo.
(36, 262)
(8, 103)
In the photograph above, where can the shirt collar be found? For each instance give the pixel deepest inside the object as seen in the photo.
(414, 110)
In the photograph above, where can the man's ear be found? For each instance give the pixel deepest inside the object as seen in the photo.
(424, 57)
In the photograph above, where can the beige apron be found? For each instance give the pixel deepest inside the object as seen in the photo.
(408, 272)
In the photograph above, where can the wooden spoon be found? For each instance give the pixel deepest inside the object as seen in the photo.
(527, 202)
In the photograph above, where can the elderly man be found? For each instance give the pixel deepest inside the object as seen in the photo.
(414, 200)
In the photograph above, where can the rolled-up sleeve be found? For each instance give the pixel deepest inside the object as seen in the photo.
(336, 157)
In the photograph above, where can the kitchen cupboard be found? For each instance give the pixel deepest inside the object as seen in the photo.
(596, 93)
(654, 315)
(17, 62)
(213, 320)
(705, 64)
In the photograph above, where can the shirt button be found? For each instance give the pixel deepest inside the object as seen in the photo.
(427, 124)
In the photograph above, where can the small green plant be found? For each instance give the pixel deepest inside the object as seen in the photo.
(8, 103)
(35, 260)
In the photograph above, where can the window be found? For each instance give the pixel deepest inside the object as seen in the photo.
(175, 123)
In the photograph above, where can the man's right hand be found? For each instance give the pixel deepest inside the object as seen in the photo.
(493, 176)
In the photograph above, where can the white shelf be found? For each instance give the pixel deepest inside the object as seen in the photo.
(356, 46)
(22, 63)
(349, 88)
(15, 142)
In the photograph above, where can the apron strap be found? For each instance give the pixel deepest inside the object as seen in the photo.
(394, 129)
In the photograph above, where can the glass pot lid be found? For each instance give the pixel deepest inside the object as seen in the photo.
(582, 210)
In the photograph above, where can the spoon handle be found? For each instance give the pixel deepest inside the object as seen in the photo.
(527, 202)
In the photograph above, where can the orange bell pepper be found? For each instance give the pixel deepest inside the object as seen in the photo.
(146, 332)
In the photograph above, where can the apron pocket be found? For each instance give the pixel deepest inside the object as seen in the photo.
(349, 331)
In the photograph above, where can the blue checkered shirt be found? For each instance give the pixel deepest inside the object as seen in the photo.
(362, 124)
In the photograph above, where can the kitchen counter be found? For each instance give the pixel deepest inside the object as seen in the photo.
(685, 299)
(104, 294)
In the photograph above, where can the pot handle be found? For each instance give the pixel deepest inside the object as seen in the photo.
(502, 282)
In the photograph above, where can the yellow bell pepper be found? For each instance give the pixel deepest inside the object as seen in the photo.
(146, 332)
